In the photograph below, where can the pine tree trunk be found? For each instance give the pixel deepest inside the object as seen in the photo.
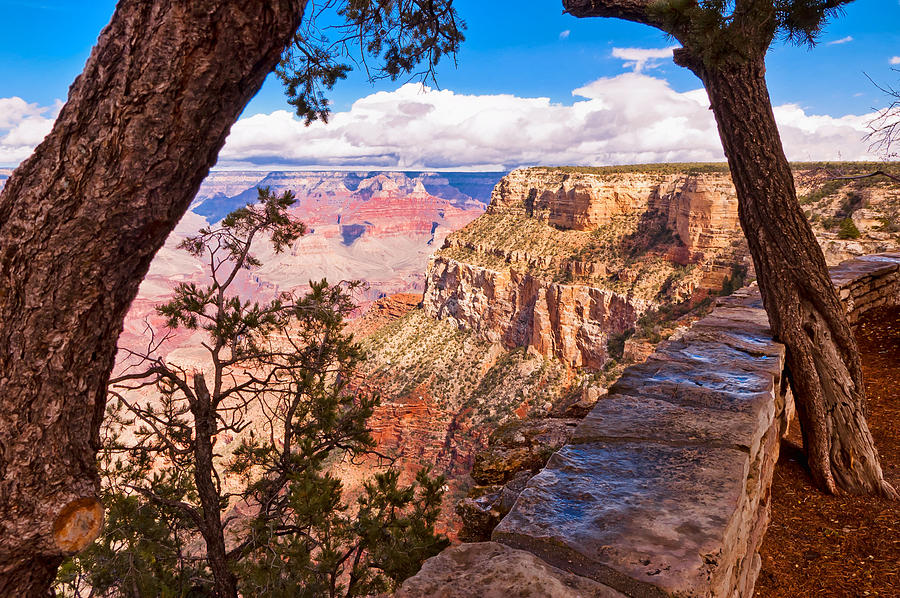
(803, 307)
(225, 582)
(80, 222)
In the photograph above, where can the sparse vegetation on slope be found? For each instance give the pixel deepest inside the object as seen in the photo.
(459, 371)
(627, 256)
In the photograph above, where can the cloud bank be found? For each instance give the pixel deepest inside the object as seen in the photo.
(22, 127)
(641, 58)
(630, 118)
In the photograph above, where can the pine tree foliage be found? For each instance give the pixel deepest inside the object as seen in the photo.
(186, 517)
(399, 38)
(716, 30)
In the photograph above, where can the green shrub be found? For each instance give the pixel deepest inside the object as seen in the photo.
(848, 229)
(735, 281)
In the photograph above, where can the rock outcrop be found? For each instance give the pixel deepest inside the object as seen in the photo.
(700, 208)
(492, 570)
(564, 259)
(567, 321)
(574, 200)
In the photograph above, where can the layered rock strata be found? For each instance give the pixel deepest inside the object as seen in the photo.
(560, 287)
(570, 322)
(663, 489)
(701, 208)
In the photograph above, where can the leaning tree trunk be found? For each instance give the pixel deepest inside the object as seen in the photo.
(803, 307)
(80, 222)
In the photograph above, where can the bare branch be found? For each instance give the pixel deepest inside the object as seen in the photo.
(637, 11)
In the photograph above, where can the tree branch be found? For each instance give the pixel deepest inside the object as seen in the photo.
(636, 11)
(866, 176)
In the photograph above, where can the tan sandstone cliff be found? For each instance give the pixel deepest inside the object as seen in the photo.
(567, 321)
(566, 257)
(563, 260)
(700, 208)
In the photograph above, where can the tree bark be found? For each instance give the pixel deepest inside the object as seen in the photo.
(802, 304)
(204, 476)
(80, 221)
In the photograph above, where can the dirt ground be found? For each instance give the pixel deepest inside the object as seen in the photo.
(821, 545)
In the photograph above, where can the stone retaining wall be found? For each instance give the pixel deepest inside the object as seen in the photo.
(664, 488)
(867, 282)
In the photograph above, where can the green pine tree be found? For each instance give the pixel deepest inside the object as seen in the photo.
(278, 380)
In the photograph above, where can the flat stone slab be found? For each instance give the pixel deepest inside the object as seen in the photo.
(855, 269)
(720, 388)
(492, 570)
(647, 519)
(625, 418)
(706, 351)
(743, 340)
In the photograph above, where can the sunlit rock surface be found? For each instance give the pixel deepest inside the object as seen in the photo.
(491, 570)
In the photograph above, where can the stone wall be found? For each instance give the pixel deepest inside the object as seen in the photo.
(664, 488)
(867, 282)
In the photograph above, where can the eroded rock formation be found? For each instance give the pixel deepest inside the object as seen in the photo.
(570, 322)
(598, 251)
(700, 208)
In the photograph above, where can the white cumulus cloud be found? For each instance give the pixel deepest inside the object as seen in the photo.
(895, 60)
(631, 118)
(641, 58)
(22, 126)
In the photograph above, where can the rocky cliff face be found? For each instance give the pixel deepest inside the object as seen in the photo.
(575, 201)
(701, 207)
(564, 260)
(567, 321)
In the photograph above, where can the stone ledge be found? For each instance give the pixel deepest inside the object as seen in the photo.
(646, 519)
(492, 570)
(664, 488)
(658, 491)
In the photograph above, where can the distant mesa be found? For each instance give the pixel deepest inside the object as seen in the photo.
(225, 191)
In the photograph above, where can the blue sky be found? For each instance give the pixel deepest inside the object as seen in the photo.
(524, 49)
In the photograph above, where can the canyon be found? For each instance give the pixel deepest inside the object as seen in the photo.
(578, 272)
(562, 260)
(377, 227)
(495, 303)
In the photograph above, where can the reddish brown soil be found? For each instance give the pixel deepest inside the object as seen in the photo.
(821, 545)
